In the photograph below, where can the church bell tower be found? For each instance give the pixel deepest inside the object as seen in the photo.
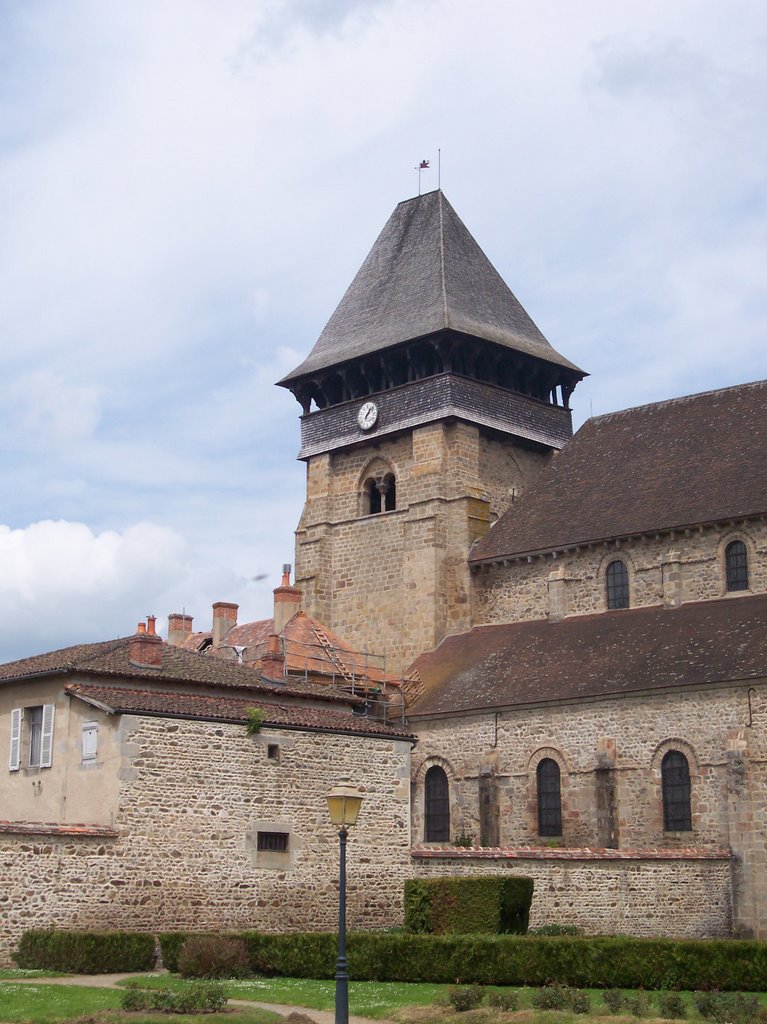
(429, 402)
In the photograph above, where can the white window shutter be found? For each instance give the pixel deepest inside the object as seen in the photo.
(46, 746)
(14, 761)
(90, 741)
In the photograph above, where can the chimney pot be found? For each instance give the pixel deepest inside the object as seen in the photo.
(150, 625)
(287, 601)
(141, 629)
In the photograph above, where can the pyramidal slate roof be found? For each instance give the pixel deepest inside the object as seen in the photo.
(425, 273)
(682, 463)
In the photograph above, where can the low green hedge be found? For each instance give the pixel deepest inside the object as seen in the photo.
(446, 906)
(85, 952)
(582, 962)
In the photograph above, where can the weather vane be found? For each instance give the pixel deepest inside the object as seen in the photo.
(424, 166)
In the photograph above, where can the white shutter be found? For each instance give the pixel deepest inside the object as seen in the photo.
(46, 746)
(90, 741)
(14, 760)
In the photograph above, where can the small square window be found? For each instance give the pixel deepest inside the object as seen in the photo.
(273, 842)
(273, 751)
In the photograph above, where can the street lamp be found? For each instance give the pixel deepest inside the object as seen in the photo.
(344, 806)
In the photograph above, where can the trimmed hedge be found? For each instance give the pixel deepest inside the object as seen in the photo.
(580, 962)
(85, 952)
(448, 906)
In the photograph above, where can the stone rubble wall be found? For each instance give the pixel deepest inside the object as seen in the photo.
(666, 569)
(193, 796)
(684, 897)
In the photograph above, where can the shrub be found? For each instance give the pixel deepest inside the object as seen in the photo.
(583, 962)
(578, 1001)
(636, 1004)
(205, 997)
(445, 906)
(465, 997)
(671, 1004)
(550, 997)
(508, 999)
(85, 952)
(727, 1007)
(613, 999)
(211, 956)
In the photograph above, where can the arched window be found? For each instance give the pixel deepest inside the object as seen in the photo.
(549, 798)
(736, 565)
(617, 584)
(379, 495)
(437, 806)
(675, 782)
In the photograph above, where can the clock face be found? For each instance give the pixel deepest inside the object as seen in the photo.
(367, 415)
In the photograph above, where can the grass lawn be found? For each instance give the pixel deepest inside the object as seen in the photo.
(49, 1004)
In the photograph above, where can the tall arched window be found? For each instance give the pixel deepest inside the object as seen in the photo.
(675, 782)
(736, 565)
(549, 798)
(437, 806)
(617, 584)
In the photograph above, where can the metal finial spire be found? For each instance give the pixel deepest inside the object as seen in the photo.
(423, 166)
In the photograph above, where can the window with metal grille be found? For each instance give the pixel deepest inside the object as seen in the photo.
(736, 565)
(675, 782)
(437, 806)
(549, 798)
(273, 842)
(617, 585)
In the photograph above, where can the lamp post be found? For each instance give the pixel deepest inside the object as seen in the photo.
(344, 806)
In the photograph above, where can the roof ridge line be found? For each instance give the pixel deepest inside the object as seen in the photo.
(445, 317)
(678, 399)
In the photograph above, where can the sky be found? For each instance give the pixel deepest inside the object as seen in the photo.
(187, 188)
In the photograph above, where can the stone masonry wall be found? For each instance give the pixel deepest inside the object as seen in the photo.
(666, 569)
(192, 799)
(642, 895)
(396, 582)
(609, 752)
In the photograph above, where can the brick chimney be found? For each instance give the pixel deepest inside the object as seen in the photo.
(287, 601)
(224, 618)
(145, 646)
(179, 628)
(273, 662)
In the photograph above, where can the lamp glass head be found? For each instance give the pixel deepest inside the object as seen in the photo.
(344, 805)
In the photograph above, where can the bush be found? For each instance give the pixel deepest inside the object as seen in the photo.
(85, 952)
(671, 1004)
(578, 1001)
(465, 997)
(534, 960)
(446, 906)
(636, 1004)
(508, 999)
(211, 956)
(550, 997)
(613, 999)
(205, 997)
(727, 1007)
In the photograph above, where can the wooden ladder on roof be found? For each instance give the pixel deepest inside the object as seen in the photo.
(334, 656)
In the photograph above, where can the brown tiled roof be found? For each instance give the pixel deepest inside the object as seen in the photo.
(111, 658)
(684, 462)
(167, 703)
(425, 273)
(609, 653)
